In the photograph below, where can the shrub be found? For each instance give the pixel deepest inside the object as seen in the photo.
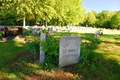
(33, 45)
(50, 46)
(26, 32)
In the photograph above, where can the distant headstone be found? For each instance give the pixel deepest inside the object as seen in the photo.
(97, 34)
(34, 31)
(43, 27)
(69, 50)
(36, 26)
(42, 53)
(39, 29)
(50, 30)
(29, 28)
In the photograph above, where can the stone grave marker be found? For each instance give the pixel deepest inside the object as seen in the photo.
(39, 29)
(29, 28)
(34, 31)
(43, 27)
(69, 50)
(50, 30)
(97, 34)
(42, 53)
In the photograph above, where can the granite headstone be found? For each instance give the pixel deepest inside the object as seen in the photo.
(69, 50)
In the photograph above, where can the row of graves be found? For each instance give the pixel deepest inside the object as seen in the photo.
(51, 29)
(38, 29)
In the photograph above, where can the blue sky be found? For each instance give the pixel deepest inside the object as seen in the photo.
(100, 5)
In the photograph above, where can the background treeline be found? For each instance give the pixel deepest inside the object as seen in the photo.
(55, 12)
(105, 19)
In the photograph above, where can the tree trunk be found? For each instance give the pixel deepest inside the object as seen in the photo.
(36, 18)
(46, 23)
(89, 24)
(24, 20)
(62, 24)
(57, 21)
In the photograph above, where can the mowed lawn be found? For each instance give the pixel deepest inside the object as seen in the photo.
(108, 52)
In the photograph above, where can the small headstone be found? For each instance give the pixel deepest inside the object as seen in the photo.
(34, 31)
(97, 34)
(69, 50)
(42, 53)
(39, 29)
(43, 27)
(48, 30)
(29, 28)
(36, 26)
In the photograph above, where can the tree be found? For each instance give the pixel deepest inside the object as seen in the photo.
(90, 18)
(115, 20)
(75, 13)
(95, 13)
(104, 18)
(48, 11)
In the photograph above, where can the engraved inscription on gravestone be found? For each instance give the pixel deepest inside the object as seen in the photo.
(69, 50)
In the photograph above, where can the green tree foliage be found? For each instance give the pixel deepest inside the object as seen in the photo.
(90, 18)
(75, 13)
(104, 18)
(95, 13)
(115, 20)
(48, 11)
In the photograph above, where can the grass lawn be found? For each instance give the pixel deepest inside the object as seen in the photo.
(103, 63)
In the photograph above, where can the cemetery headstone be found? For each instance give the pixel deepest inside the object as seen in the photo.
(43, 27)
(48, 30)
(34, 31)
(36, 26)
(29, 28)
(69, 50)
(97, 34)
(42, 53)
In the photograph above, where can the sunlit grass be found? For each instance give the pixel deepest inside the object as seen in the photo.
(109, 51)
(111, 31)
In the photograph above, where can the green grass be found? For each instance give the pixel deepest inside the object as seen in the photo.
(102, 62)
(0, 34)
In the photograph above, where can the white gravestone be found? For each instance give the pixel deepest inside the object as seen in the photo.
(69, 50)
(42, 53)
(43, 27)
